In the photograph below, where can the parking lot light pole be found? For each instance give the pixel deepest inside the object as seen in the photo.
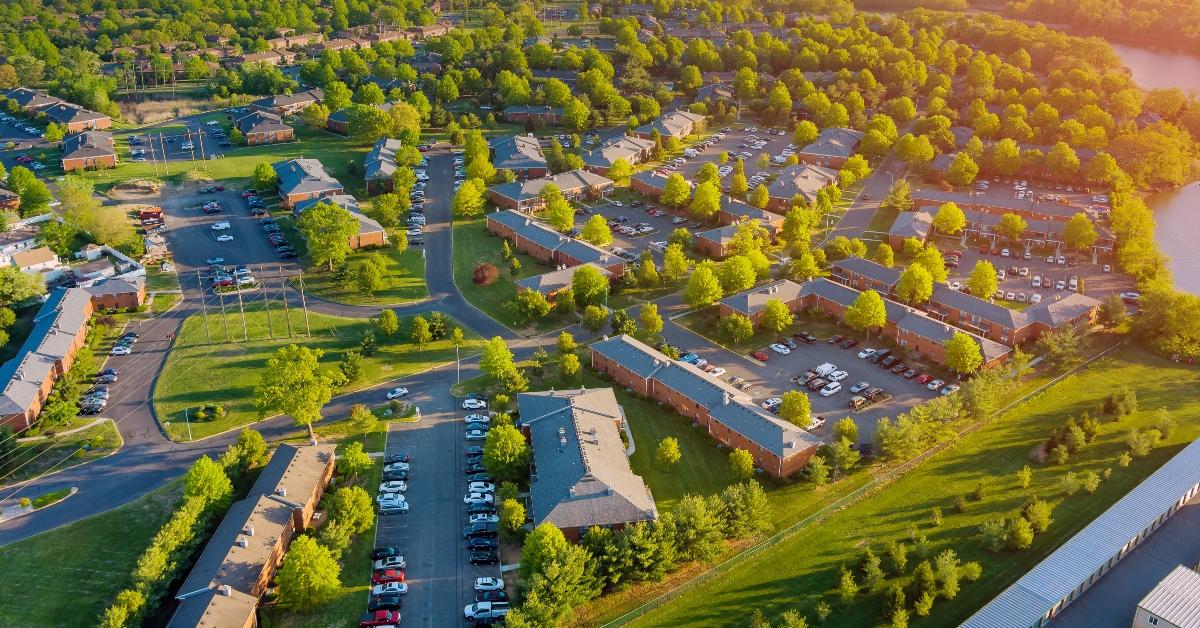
(188, 422)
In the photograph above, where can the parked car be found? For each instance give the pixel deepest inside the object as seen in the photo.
(484, 557)
(395, 486)
(483, 543)
(761, 356)
(935, 384)
(830, 389)
(489, 584)
(390, 562)
(384, 551)
(950, 390)
(390, 588)
(388, 601)
(379, 618)
(397, 393)
(780, 349)
(474, 404)
(859, 387)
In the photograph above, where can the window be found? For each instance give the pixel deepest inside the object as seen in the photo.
(1152, 620)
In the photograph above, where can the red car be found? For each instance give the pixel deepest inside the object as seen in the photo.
(951, 253)
(387, 575)
(220, 188)
(924, 378)
(249, 193)
(379, 618)
(983, 250)
(761, 356)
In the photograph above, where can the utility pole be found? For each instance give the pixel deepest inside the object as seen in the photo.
(203, 307)
(287, 316)
(224, 320)
(304, 306)
(203, 158)
(245, 333)
(267, 304)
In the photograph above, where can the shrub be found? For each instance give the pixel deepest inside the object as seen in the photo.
(935, 517)
(979, 493)
(971, 571)
(1091, 482)
(1069, 483)
(960, 504)
(485, 274)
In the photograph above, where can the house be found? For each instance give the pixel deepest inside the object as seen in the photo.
(677, 124)
(803, 180)
(862, 274)
(715, 242)
(551, 283)
(239, 562)
(1172, 603)
(1037, 234)
(429, 30)
(831, 148)
(35, 260)
(287, 104)
(580, 475)
(549, 246)
(339, 121)
(92, 271)
(734, 211)
(76, 119)
(118, 293)
(544, 74)
(370, 234)
(916, 224)
(261, 127)
(524, 195)
(998, 204)
(716, 92)
(30, 100)
(380, 164)
(543, 115)
(426, 62)
(521, 154)
(732, 419)
(16, 240)
(88, 150)
(9, 200)
(301, 179)
(650, 183)
(633, 150)
(59, 330)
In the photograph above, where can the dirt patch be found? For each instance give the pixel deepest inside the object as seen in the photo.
(137, 189)
(1039, 454)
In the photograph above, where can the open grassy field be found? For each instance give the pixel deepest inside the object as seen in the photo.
(802, 570)
(188, 378)
(59, 586)
(474, 245)
(33, 458)
(403, 281)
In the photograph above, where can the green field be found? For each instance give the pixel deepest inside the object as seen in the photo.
(404, 279)
(805, 565)
(159, 281)
(70, 575)
(195, 364)
(55, 453)
(473, 244)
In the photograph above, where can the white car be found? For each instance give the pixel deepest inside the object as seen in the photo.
(780, 349)
(717, 372)
(477, 418)
(384, 498)
(390, 588)
(1060, 285)
(187, 146)
(481, 487)
(391, 562)
(769, 403)
(949, 390)
(212, 123)
(866, 353)
(700, 362)
(478, 498)
(816, 422)
(1035, 298)
(616, 203)
(830, 389)
(859, 387)
(488, 584)
(484, 518)
(120, 351)
(935, 384)
(476, 435)
(837, 376)
(397, 393)
(474, 404)
(396, 466)
(220, 226)
(395, 486)
(224, 238)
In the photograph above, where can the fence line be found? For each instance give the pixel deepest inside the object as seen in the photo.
(841, 502)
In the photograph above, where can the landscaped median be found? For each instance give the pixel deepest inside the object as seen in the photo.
(222, 375)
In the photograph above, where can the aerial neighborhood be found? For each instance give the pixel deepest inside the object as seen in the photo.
(769, 314)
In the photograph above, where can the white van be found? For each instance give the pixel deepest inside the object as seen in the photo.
(690, 153)
(825, 369)
(220, 226)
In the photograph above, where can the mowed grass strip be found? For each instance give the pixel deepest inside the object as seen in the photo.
(69, 575)
(803, 569)
(403, 280)
(202, 372)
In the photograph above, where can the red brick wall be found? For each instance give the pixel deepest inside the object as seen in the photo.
(79, 164)
(620, 374)
(710, 248)
(363, 240)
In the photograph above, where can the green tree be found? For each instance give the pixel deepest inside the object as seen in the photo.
(512, 517)
(675, 263)
(353, 461)
(327, 229)
(668, 451)
(818, 470)
(206, 480)
(650, 322)
(496, 360)
(469, 199)
(622, 323)
(950, 219)
(1011, 226)
(734, 274)
(776, 316)
(569, 365)
(387, 322)
(915, 285)
(884, 255)
(419, 333)
(589, 285)
(1112, 311)
(34, 195)
(310, 576)
(1079, 233)
(736, 327)
(566, 343)
(596, 231)
(741, 463)
(530, 305)
(706, 202)
(847, 587)
(867, 312)
(560, 215)
(293, 384)
(899, 197)
(505, 452)
(1019, 535)
(759, 197)
(931, 260)
(963, 354)
(963, 170)
(806, 133)
(982, 281)
(846, 429)
(16, 286)
(702, 289)
(620, 171)
(698, 521)
(796, 408)
(594, 317)
(369, 277)
(352, 506)
(676, 191)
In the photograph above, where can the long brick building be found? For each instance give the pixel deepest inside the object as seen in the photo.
(549, 246)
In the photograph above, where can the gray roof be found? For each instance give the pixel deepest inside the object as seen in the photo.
(985, 310)
(1176, 599)
(834, 142)
(755, 299)
(117, 286)
(55, 328)
(758, 426)
(536, 231)
(517, 152)
(625, 147)
(546, 283)
(918, 323)
(1058, 310)
(31, 98)
(211, 608)
(533, 109)
(672, 124)
(632, 354)
(290, 100)
(928, 196)
(301, 176)
(567, 76)
(380, 162)
(567, 182)
(715, 91)
(805, 180)
(261, 122)
(740, 209)
(869, 269)
(912, 225)
(66, 112)
(88, 144)
(720, 235)
(1051, 581)
(653, 179)
(582, 474)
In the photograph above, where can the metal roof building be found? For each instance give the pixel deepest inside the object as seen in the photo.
(1066, 573)
(1176, 600)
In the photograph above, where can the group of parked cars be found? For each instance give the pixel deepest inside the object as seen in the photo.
(96, 398)
(491, 602)
(275, 237)
(222, 277)
(124, 344)
(388, 588)
(885, 359)
(480, 499)
(22, 125)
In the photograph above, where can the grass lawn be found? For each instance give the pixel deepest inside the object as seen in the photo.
(165, 301)
(195, 364)
(473, 244)
(33, 458)
(882, 221)
(111, 542)
(802, 569)
(403, 281)
(19, 331)
(159, 281)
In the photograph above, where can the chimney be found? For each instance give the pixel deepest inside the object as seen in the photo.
(225, 590)
(248, 530)
(281, 491)
(725, 397)
(242, 541)
(572, 491)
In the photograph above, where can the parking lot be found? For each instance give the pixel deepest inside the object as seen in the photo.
(631, 214)
(735, 142)
(12, 129)
(1021, 269)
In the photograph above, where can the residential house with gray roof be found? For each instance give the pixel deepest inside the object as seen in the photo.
(302, 179)
(907, 225)
(831, 148)
(551, 283)
(525, 195)
(804, 180)
(380, 164)
(548, 246)
(633, 150)
(677, 124)
(521, 154)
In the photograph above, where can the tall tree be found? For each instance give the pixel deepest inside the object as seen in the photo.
(796, 408)
(963, 354)
(949, 219)
(293, 384)
(309, 577)
(867, 312)
(915, 285)
(776, 316)
(1079, 233)
(327, 228)
(702, 289)
(982, 282)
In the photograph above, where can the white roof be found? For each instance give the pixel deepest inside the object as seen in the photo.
(1176, 599)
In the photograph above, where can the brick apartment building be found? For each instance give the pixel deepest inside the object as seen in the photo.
(805, 181)
(370, 234)
(831, 148)
(549, 246)
(521, 154)
(261, 127)
(88, 150)
(544, 115)
(677, 124)
(729, 417)
(551, 283)
(287, 104)
(524, 195)
(76, 119)
(633, 150)
(302, 179)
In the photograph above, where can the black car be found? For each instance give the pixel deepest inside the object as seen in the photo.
(789, 343)
(480, 530)
(879, 355)
(399, 456)
(478, 425)
(388, 602)
(836, 338)
(806, 338)
(874, 394)
(392, 476)
(479, 396)
(482, 543)
(385, 551)
(130, 334)
(481, 477)
(473, 450)
(484, 557)
(108, 371)
(847, 343)
(899, 368)
(491, 596)
(889, 362)
(90, 409)
(475, 459)
(909, 374)
(481, 509)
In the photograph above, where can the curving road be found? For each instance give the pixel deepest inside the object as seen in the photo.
(148, 459)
